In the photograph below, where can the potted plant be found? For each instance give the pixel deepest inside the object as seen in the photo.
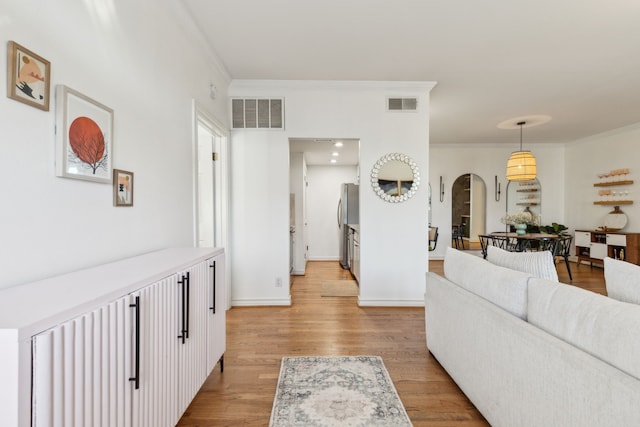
(555, 228)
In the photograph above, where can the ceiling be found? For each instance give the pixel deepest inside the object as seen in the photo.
(577, 61)
(321, 151)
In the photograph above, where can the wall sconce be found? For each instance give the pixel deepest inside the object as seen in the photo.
(441, 190)
(496, 189)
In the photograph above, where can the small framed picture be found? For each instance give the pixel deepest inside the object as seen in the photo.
(28, 76)
(84, 137)
(122, 188)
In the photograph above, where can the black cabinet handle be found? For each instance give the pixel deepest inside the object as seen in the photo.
(183, 282)
(213, 307)
(136, 378)
(188, 304)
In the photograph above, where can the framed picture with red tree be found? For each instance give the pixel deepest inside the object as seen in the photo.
(84, 137)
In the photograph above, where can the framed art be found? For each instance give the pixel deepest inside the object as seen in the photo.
(122, 188)
(84, 137)
(28, 76)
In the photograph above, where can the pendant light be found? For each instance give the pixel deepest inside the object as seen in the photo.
(521, 166)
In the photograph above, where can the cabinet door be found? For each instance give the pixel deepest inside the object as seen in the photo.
(81, 370)
(154, 400)
(583, 238)
(616, 239)
(193, 285)
(598, 250)
(217, 311)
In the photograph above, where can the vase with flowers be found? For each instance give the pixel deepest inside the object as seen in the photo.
(521, 221)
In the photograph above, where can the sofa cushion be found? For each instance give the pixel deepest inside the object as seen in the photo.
(622, 280)
(503, 287)
(539, 264)
(603, 327)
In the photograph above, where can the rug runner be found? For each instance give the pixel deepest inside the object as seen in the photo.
(316, 391)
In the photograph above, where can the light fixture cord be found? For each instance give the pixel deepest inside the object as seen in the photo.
(521, 124)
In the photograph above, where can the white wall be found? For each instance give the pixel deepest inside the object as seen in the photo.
(323, 196)
(393, 236)
(487, 161)
(140, 59)
(601, 153)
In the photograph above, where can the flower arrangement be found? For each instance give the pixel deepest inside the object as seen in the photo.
(521, 218)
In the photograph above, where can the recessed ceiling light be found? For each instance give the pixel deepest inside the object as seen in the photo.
(333, 160)
(335, 154)
(338, 144)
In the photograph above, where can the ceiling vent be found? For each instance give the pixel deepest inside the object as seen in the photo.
(402, 104)
(254, 113)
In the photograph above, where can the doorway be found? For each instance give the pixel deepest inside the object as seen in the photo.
(210, 215)
(468, 211)
(315, 185)
(211, 186)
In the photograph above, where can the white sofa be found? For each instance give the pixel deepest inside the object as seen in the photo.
(531, 352)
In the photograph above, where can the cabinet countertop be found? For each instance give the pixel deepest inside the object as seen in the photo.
(59, 298)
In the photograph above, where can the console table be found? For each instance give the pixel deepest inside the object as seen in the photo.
(594, 246)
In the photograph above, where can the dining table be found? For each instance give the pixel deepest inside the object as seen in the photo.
(521, 240)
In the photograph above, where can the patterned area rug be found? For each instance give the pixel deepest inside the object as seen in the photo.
(336, 391)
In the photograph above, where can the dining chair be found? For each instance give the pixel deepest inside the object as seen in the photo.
(484, 243)
(541, 244)
(563, 249)
(433, 238)
(457, 234)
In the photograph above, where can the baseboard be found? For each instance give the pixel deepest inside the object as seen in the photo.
(321, 258)
(390, 303)
(261, 302)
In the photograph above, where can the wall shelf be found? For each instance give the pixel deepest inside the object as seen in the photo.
(612, 184)
(614, 202)
(527, 204)
(527, 190)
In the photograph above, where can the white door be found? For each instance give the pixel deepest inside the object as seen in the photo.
(206, 185)
(211, 184)
(211, 192)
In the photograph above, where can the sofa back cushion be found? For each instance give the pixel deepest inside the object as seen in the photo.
(503, 287)
(622, 280)
(538, 264)
(603, 327)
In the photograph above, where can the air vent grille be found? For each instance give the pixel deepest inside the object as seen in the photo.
(253, 113)
(402, 104)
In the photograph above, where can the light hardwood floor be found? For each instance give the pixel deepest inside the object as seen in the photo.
(258, 337)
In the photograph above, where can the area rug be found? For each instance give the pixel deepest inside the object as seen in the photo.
(345, 391)
(339, 288)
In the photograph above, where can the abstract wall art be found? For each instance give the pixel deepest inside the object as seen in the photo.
(84, 137)
(28, 76)
(122, 188)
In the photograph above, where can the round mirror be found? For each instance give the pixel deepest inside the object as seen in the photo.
(395, 177)
(524, 196)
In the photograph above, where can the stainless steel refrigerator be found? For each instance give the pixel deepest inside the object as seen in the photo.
(348, 213)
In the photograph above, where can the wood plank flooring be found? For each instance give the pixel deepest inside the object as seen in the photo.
(258, 337)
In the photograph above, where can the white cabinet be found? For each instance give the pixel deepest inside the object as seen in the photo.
(125, 344)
